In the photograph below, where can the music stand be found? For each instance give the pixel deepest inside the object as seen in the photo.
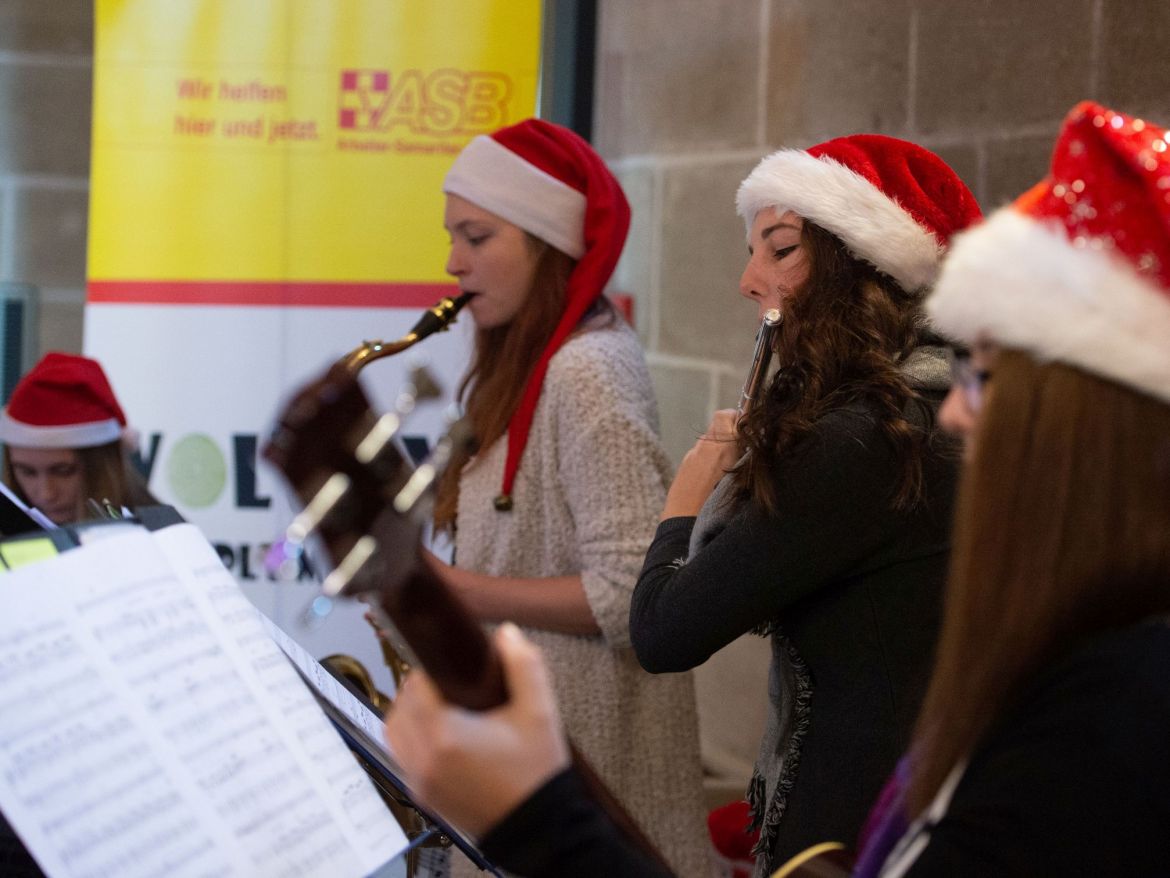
(382, 770)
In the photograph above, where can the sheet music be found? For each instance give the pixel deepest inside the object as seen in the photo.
(149, 726)
(370, 724)
(329, 688)
(300, 716)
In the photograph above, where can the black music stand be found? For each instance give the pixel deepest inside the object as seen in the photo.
(385, 774)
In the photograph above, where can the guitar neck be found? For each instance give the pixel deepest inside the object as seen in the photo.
(341, 461)
(446, 640)
(453, 648)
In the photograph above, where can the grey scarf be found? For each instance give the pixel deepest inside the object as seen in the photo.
(789, 684)
(789, 692)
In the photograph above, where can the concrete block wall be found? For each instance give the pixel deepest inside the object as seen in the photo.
(46, 72)
(691, 93)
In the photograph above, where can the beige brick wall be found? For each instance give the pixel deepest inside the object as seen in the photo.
(691, 93)
(45, 80)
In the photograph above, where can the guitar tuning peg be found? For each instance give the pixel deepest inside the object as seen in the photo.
(452, 413)
(461, 436)
(283, 561)
(316, 612)
(425, 385)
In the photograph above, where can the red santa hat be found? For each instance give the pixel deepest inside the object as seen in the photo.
(1077, 269)
(65, 401)
(893, 203)
(549, 182)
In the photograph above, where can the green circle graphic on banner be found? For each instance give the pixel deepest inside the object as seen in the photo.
(197, 470)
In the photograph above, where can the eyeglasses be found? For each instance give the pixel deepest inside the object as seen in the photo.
(970, 379)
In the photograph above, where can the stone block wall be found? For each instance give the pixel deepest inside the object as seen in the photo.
(46, 72)
(691, 93)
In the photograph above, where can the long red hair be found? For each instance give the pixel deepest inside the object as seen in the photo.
(503, 359)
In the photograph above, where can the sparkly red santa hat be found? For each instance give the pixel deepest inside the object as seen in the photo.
(893, 203)
(548, 181)
(1077, 270)
(65, 401)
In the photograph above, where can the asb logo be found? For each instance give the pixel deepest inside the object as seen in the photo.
(443, 102)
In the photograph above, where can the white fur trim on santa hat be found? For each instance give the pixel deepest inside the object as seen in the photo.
(22, 435)
(490, 175)
(872, 225)
(1022, 284)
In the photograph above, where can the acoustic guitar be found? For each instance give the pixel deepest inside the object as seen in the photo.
(367, 506)
(829, 859)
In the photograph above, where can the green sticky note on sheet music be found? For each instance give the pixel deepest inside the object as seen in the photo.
(17, 553)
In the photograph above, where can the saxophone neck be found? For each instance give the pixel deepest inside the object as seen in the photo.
(368, 351)
(435, 319)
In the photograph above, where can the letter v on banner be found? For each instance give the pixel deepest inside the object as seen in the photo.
(265, 194)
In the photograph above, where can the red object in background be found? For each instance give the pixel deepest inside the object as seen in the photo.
(624, 303)
(728, 828)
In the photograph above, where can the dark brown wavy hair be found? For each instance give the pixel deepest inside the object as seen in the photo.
(1062, 530)
(844, 335)
(503, 360)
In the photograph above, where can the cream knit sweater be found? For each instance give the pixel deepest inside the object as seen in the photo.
(586, 500)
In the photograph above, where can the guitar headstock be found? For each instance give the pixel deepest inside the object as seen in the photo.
(367, 504)
(363, 499)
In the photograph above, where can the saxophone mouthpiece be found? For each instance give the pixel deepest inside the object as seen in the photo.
(439, 317)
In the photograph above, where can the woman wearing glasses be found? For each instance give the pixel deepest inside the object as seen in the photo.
(970, 370)
(1042, 747)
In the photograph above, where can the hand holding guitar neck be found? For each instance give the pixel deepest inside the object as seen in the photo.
(367, 505)
(475, 767)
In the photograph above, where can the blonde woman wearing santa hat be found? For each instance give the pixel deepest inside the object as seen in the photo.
(552, 516)
(830, 530)
(62, 432)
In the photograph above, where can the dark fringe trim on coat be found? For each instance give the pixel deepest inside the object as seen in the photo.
(767, 820)
(767, 629)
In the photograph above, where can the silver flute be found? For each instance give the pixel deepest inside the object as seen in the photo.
(761, 358)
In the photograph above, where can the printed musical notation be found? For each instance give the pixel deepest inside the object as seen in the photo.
(369, 724)
(149, 726)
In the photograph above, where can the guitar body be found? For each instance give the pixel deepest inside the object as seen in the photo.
(826, 860)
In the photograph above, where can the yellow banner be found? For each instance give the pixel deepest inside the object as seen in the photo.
(236, 144)
(258, 153)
